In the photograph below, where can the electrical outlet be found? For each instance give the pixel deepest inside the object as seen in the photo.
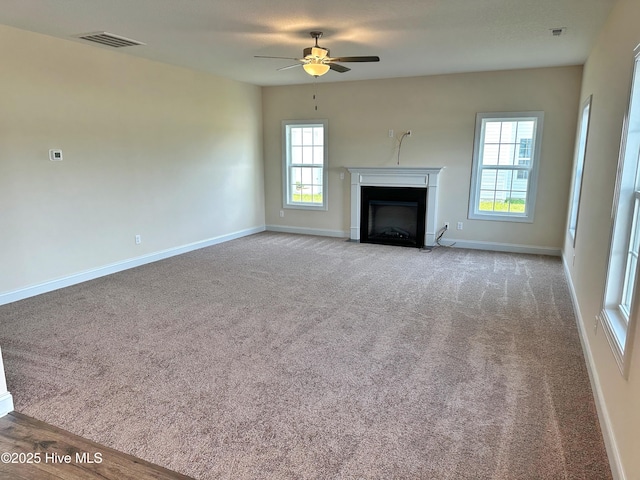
(341, 175)
(281, 213)
(390, 133)
(459, 226)
(595, 325)
(446, 225)
(408, 133)
(138, 239)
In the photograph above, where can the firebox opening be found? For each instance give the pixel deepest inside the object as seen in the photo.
(393, 216)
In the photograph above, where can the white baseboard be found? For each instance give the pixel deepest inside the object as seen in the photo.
(501, 247)
(308, 231)
(609, 438)
(493, 246)
(14, 296)
(6, 404)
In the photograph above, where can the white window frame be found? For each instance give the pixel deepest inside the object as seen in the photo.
(580, 152)
(287, 202)
(621, 305)
(532, 169)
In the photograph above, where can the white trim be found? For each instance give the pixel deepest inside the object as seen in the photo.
(491, 246)
(6, 404)
(613, 453)
(476, 177)
(286, 153)
(580, 153)
(614, 327)
(14, 296)
(396, 177)
(6, 400)
(308, 231)
(624, 215)
(501, 247)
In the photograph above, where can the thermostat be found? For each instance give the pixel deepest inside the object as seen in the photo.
(55, 155)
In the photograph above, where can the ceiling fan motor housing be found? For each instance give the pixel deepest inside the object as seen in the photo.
(315, 52)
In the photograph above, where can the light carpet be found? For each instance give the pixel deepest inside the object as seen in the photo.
(284, 356)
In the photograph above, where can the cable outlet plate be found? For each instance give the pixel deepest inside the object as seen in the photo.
(55, 155)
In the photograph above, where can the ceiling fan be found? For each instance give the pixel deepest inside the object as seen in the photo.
(316, 60)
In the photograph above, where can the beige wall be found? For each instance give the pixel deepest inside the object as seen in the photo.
(607, 76)
(176, 156)
(171, 154)
(440, 111)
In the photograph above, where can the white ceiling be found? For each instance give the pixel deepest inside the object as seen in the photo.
(412, 37)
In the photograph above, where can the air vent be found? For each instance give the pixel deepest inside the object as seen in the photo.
(108, 39)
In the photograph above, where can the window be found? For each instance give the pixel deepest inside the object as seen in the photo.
(524, 154)
(581, 150)
(305, 164)
(505, 165)
(620, 309)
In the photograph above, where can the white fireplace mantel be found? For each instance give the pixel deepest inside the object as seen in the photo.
(415, 177)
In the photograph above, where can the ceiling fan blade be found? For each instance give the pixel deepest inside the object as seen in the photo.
(338, 68)
(285, 58)
(289, 66)
(356, 59)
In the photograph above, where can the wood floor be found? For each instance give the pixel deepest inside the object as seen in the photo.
(34, 450)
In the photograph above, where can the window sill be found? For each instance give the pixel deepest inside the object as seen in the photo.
(496, 217)
(306, 207)
(615, 330)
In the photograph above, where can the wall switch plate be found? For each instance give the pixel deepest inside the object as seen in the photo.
(341, 175)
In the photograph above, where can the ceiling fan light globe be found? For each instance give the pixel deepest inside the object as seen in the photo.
(316, 69)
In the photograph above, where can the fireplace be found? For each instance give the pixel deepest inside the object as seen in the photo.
(424, 180)
(393, 216)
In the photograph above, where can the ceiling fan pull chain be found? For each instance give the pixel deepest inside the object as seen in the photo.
(315, 92)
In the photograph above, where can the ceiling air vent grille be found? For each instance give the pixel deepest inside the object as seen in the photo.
(109, 39)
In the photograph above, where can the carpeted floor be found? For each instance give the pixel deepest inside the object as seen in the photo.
(284, 356)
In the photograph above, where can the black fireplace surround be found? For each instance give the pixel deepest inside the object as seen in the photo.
(393, 215)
